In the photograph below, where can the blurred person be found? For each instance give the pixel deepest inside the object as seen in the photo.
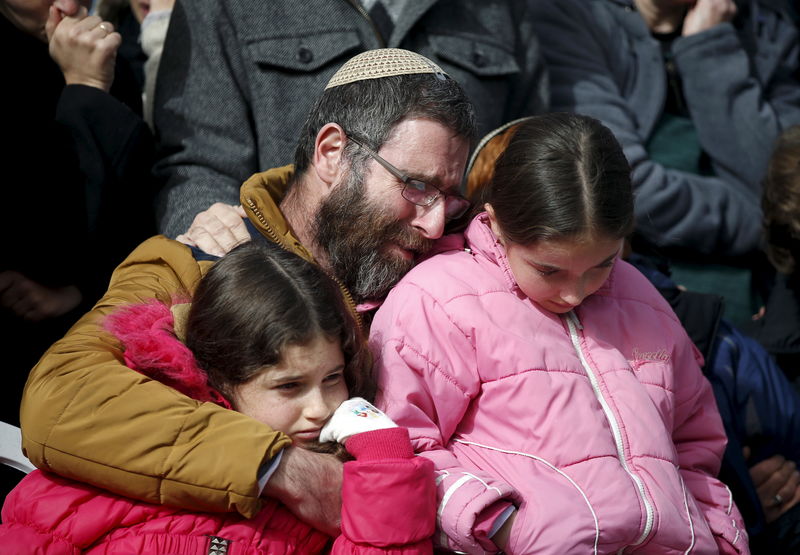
(237, 79)
(363, 222)
(78, 151)
(143, 25)
(778, 326)
(696, 91)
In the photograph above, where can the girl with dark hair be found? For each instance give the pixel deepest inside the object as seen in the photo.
(267, 334)
(557, 394)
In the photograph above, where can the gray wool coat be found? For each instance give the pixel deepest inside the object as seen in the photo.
(740, 87)
(238, 77)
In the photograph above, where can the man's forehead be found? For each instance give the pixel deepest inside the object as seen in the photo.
(427, 150)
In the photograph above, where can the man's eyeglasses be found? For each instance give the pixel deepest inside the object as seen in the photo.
(421, 193)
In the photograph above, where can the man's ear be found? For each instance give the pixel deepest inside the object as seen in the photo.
(328, 151)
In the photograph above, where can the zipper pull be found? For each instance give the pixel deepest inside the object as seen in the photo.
(575, 320)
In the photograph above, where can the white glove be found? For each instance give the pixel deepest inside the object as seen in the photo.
(354, 416)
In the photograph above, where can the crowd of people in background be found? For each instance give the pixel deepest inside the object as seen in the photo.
(561, 236)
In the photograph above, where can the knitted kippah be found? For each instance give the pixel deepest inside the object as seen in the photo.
(383, 62)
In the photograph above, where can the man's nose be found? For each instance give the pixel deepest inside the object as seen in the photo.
(430, 220)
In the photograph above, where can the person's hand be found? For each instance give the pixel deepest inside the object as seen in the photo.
(777, 483)
(502, 536)
(309, 485)
(705, 14)
(84, 47)
(34, 302)
(354, 416)
(217, 230)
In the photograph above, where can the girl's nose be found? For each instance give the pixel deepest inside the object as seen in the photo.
(573, 294)
(316, 408)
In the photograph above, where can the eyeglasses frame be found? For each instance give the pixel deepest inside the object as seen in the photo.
(404, 178)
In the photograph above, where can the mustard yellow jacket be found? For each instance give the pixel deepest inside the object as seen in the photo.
(86, 416)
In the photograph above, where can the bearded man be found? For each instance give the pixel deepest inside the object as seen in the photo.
(376, 175)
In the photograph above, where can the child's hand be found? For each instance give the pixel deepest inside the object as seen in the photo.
(502, 536)
(354, 416)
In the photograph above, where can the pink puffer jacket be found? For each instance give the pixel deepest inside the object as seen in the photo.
(597, 424)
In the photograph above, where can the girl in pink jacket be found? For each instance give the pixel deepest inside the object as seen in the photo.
(267, 334)
(554, 389)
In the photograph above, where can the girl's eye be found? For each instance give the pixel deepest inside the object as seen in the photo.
(334, 378)
(546, 273)
(289, 386)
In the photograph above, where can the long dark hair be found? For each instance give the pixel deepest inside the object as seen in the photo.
(257, 300)
(562, 175)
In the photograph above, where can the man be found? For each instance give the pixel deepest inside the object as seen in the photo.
(237, 78)
(378, 167)
(644, 67)
(73, 142)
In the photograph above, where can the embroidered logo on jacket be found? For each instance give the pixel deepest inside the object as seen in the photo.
(660, 355)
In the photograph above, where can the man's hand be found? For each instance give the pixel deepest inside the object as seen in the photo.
(706, 14)
(217, 230)
(34, 302)
(84, 47)
(777, 482)
(310, 485)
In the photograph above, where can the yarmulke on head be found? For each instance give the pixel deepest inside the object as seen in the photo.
(383, 62)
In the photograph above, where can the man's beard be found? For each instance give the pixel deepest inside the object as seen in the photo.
(355, 232)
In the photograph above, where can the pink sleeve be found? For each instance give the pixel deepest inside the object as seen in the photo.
(700, 439)
(427, 382)
(388, 496)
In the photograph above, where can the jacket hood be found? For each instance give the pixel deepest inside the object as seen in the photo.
(261, 196)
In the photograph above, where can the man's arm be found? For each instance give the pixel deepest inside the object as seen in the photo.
(201, 114)
(739, 103)
(673, 208)
(310, 485)
(86, 416)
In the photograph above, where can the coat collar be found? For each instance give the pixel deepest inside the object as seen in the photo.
(261, 196)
